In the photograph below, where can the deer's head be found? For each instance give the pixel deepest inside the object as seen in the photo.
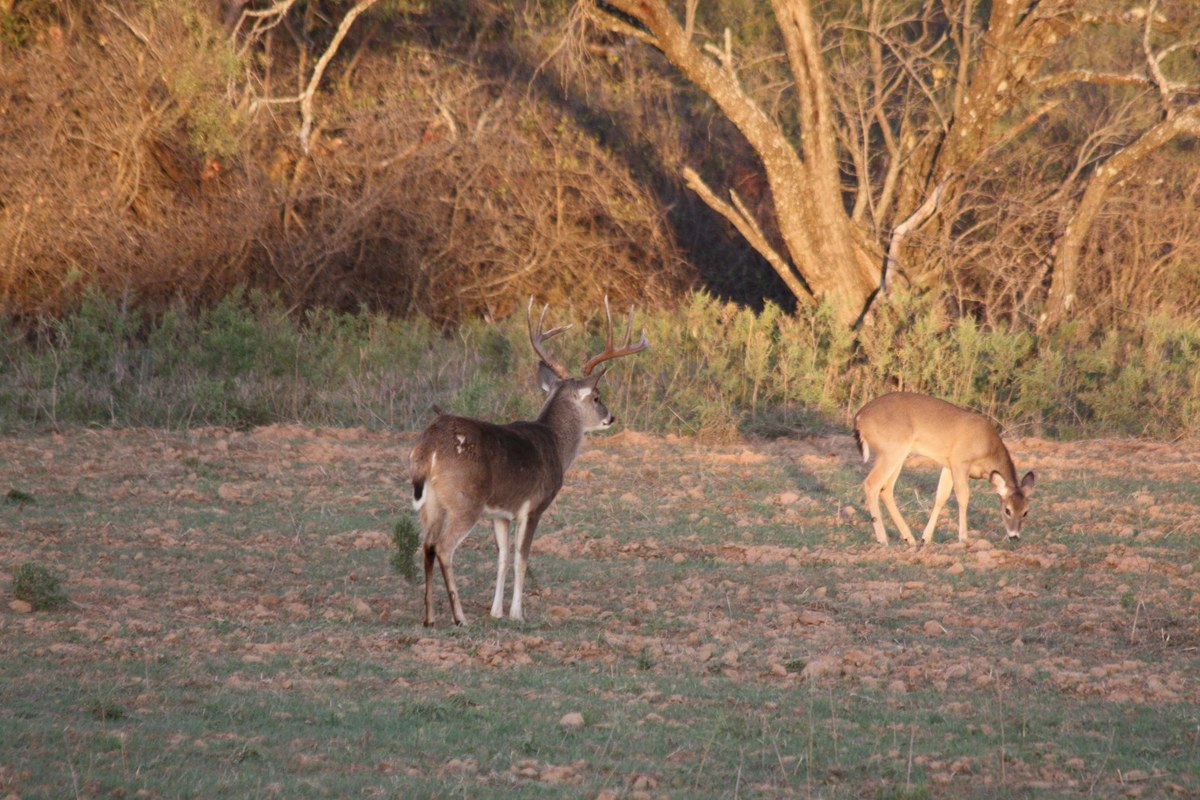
(1014, 501)
(581, 393)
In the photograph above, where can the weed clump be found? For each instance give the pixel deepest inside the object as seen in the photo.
(16, 497)
(406, 539)
(39, 587)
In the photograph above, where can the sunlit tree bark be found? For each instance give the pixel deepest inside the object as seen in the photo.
(923, 98)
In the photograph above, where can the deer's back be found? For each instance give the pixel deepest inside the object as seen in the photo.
(504, 465)
(930, 427)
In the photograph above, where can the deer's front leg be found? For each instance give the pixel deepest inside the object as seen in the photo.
(526, 525)
(945, 484)
(962, 493)
(501, 528)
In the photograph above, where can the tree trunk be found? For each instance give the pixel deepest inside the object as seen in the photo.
(832, 256)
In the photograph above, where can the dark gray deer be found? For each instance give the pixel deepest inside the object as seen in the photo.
(464, 469)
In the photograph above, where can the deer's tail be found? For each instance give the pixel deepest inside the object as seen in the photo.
(863, 447)
(422, 463)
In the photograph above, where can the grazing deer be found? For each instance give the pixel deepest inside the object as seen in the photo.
(963, 442)
(463, 469)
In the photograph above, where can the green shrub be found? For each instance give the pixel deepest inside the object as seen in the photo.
(714, 369)
(406, 538)
(37, 586)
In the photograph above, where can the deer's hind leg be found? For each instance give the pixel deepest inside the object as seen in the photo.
(433, 520)
(872, 486)
(889, 500)
(880, 482)
(441, 547)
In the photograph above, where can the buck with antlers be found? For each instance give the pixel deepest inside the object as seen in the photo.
(464, 469)
(964, 443)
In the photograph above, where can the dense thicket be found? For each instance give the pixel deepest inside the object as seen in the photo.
(143, 156)
(466, 154)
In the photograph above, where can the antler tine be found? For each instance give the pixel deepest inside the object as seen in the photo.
(542, 335)
(624, 350)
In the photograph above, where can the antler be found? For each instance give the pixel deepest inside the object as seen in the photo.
(625, 348)
(540, 336)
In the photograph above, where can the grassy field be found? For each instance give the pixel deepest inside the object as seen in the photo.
(704, 621)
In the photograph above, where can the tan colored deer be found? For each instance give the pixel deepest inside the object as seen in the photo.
(464, 469)
(964, 443)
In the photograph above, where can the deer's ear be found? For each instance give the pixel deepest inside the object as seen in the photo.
(547, 378)
(1002, 487)
(591, 380)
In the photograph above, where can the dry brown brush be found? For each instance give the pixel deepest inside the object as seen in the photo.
(145, 156)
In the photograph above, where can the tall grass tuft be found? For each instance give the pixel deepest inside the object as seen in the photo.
(714, 369)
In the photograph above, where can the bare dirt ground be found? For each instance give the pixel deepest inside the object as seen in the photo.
(750, 563)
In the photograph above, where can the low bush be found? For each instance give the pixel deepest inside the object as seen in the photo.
(714, 369)
(39, 587)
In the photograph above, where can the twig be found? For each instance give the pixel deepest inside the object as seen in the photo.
(912, 735)
(1107, 754)
(1003, 743)
(305, 98)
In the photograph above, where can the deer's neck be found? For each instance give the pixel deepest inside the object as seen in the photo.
(560, 416)
(1002, 462)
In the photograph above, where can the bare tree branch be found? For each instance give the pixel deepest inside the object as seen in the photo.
(306, 98)
(1061, 300)
(914, 221)
(740, 217)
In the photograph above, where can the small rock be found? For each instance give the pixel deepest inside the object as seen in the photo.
(821, 666)
(558, 613)
(934, 628)
(572, 719)
(956, 568)
(21, 606)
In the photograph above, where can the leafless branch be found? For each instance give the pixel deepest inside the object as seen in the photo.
(748, 227)
(306, 98)
(914, 221)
